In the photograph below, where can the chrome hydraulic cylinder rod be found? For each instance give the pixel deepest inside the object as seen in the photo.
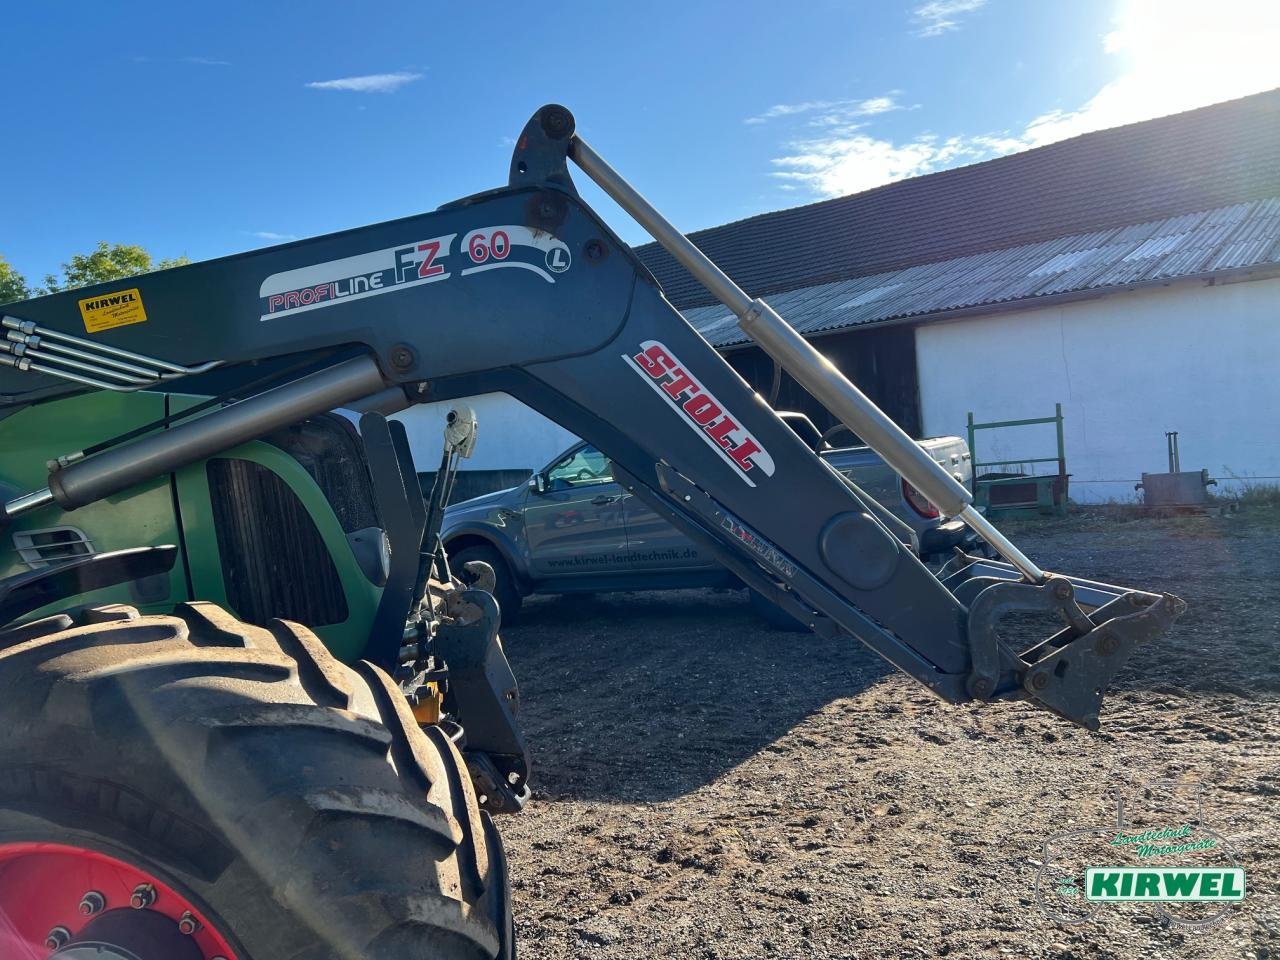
(810, 368)
(26, 503)
(103, 474)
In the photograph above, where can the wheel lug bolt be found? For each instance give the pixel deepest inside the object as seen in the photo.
(187, 923)
(91, 903)
(144, 895)
(57, 937)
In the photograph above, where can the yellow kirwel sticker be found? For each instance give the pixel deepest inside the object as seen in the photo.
(109, 310)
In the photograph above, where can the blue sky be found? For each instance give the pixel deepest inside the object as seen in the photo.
(204, 129)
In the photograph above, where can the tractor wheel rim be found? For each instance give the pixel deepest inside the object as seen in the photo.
(67, 902)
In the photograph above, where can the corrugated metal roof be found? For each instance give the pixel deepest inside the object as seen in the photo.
(1225, 238)
(1222, 158)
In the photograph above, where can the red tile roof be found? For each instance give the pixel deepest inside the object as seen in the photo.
(1211, 157)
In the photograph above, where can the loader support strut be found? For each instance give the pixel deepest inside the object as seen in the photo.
(814, 372)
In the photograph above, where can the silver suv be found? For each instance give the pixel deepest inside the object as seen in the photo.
(572, 528)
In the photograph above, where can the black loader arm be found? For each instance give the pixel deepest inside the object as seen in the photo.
(525, 290)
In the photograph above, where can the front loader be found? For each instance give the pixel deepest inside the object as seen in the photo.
(205, 784)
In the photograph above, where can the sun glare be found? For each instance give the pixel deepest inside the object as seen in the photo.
(1175, 55)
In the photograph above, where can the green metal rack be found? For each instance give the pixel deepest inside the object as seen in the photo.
(1020, 495)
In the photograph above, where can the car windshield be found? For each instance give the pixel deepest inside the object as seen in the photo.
(582, 466)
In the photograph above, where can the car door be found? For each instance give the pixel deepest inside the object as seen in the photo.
(574, 525)
(653, 544)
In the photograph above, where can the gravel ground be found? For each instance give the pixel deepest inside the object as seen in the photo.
(707, 787)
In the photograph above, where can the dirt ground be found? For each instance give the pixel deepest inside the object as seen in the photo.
(707, 787)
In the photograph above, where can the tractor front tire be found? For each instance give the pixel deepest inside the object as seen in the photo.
(224, 790)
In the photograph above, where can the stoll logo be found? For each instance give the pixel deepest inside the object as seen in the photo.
(1128, 884)
(701, 411)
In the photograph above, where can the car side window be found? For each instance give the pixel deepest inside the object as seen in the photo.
(581, 467)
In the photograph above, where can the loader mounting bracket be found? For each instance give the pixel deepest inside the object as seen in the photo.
(1071, 679)
(482, 691)
(991, 601)
(1068, 672)
(541, 153)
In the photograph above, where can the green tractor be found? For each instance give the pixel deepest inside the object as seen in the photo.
(187, 772)
(284, 526)
(135, 711)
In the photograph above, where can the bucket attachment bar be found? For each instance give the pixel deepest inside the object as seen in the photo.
(811, 369)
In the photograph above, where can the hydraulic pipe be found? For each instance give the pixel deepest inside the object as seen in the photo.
(120, 467)
(810, 368)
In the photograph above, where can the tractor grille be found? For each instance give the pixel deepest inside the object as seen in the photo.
(274, 562)
(329, 449)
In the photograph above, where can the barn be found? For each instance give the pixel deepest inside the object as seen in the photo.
(1128, 277)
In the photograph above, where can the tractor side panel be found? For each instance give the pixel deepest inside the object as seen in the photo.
(143, 516)
(264, 539)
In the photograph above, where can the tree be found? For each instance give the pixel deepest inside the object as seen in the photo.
(107, 262)
(13, 285)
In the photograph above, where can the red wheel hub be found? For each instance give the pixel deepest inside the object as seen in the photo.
(53, 896)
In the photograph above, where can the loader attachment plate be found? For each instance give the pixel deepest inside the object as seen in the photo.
(1068, 672)
(1071, 679)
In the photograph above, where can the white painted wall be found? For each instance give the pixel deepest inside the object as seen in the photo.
(1204, 361)
(510, 436)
